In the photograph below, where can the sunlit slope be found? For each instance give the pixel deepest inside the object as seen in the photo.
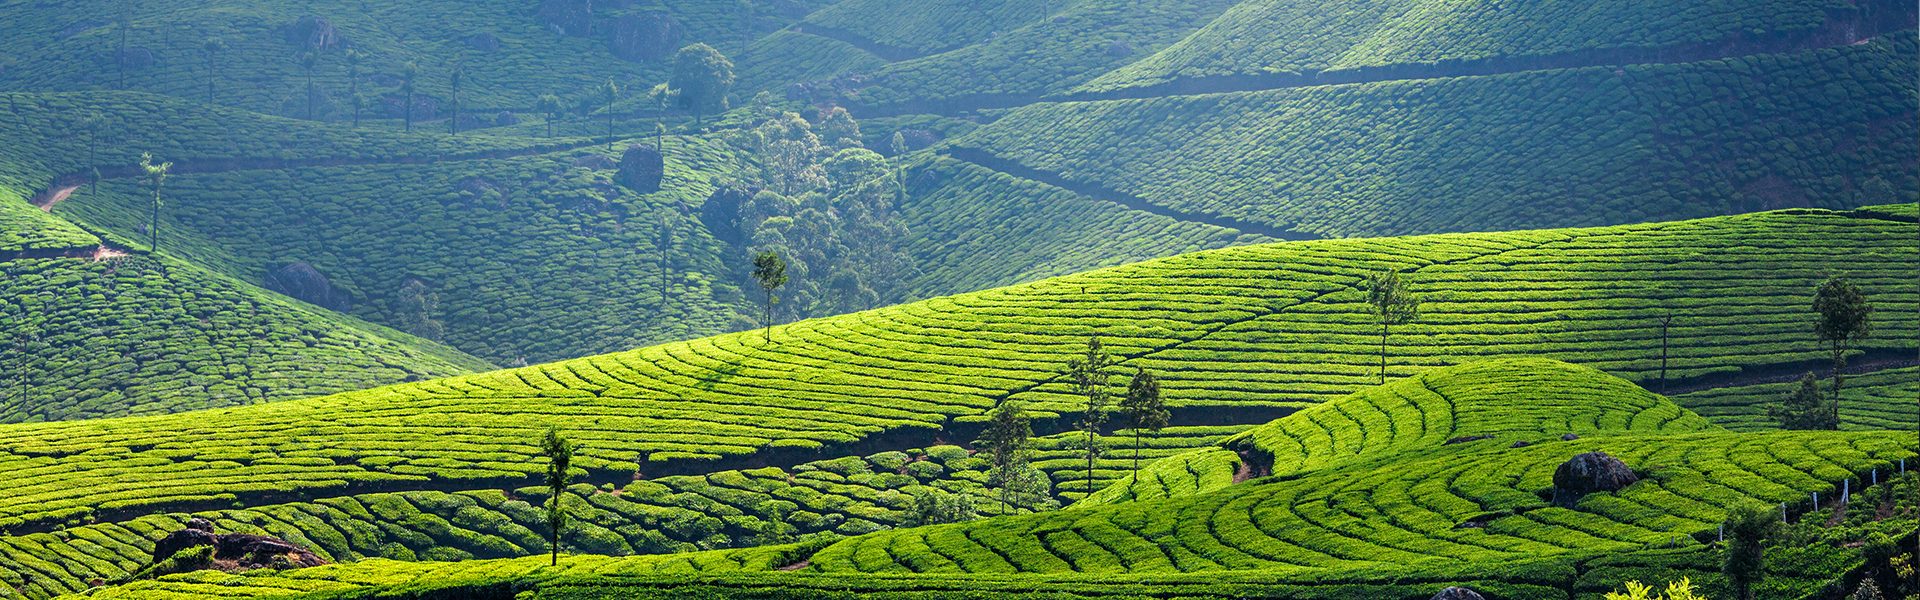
(1277, 324)
(1264, 37)
(1881, 399)
(1826, 128)
(1400, 520)
(91, 338)
(1507, 401)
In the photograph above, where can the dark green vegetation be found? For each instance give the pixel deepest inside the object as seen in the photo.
(1313, 525)
(1881, 399)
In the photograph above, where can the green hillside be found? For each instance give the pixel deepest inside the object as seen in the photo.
(1880, 399)
(1316, 533)
(1586, 146)
(133, 335)
(911, 375)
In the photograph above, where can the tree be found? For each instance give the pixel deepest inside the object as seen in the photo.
(1806, 408)
(308, 61)
(1008, 442)
(156, 175)
(660, 138)
(559, 453)
(120, 55)
(453, 124)
(935, 506)
(211, 49)
(790, 154)
(1088, 377)
(838, 129)
(354, 56)
(771, 271)
(613, 93)
(702, 76)
(409, 73)
(416, 306)
(1393, 304)
(1748, 527)
(1143, 409)
(549, 105)
(1844, 317)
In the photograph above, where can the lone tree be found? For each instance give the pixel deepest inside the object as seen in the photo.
(550, 106)
(771, 271)
(559, 453)
(1143, 409)
(1748, 527)
(354, 57)
(1008, 441)
(1393, 304)
(1843, 319)
(453, 124)
(308, 61)
(702, 77)
(156, 175)
(613, 93)
(1088, 376)
(409, 73)
(211, 50)
(1806, 408)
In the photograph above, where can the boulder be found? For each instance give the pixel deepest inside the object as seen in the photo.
(1521, 444)
(1569, 437)
(302, 281)
(200, 524)
(641, 169)
(645, 37)
(315, 34)
(1458, 593)
(1588, 473)
(181, 540)
(484, 42)
(505, 118)
(1466, 438)
(1119, 49)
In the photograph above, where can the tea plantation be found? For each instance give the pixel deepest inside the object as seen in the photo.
(1383, 524)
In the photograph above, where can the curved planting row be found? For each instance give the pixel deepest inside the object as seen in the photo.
(1288, 36)
(104, 338)
(1265, 325)
(1881, 399)
(1503, 151)
(682, 513)
(1512, 401)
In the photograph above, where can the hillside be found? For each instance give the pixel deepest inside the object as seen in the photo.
(905, 376)
(1281, 533)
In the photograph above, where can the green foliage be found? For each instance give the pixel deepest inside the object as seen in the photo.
(1747, 530)
(559, 453)
(1806, 408)
(1880, 399)
(1678, 590)
(702, 78)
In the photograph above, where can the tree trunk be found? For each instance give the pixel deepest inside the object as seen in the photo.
(1839, 364)
(153, 227)
(1136, 452)
(1383, 353)
(309, 95)
(409, 110)
(1090, 443)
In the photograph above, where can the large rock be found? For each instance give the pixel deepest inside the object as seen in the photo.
(1589, 473)
(314, 33)
(645, 37)
(181, 540)
(300, 280)
(1458, 593)
(641, 169)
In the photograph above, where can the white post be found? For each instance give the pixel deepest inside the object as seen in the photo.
(1846, 490)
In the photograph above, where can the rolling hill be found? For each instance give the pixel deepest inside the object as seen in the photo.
(906, 376)
(1382, 523)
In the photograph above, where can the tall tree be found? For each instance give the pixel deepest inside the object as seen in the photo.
(771, 271)
(156, 175)
(1392, 304)
(1008, 442)
(1143, 409)
(702, 76)
(1666, 331)
(1806, 408)
(549, 104)
(453, 124)
(308, 61)
(1748, 527)
(613, 93)
(1087, 375)
(559, 453)
(409, 73)
(120, 54)
(211, 49)
(354, 56)
(1844, 317)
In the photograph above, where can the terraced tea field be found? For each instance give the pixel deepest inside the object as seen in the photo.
(1399, 498)
(1881, 399)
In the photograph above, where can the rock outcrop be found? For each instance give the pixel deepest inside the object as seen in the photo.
(641, 169)
(236, 552)
(302, 281)
(1589, 473)
(645, 37)
(1458, 593)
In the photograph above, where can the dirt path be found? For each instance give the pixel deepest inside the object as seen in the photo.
(51, 196)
